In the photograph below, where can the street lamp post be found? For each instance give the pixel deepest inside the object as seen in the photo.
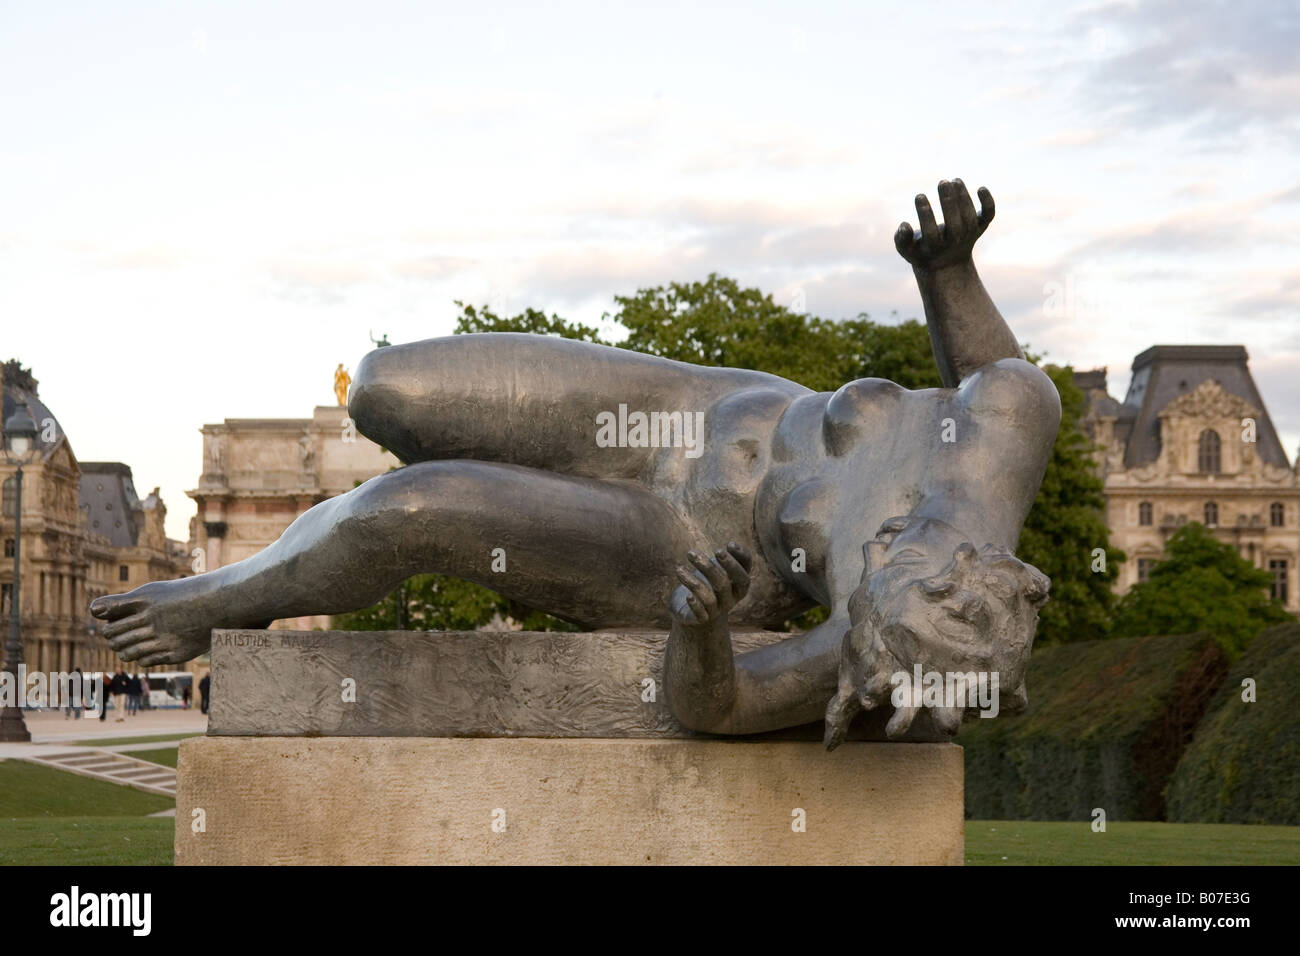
(19, 445)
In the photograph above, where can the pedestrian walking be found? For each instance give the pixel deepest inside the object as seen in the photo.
(74, 693)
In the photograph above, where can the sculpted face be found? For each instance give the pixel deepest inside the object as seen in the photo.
(929, 597)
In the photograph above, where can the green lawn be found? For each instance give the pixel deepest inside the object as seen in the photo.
(32, 790)
(87, 841)
(52, 817)
(1035, 843)
(165, 755)
(121, 741)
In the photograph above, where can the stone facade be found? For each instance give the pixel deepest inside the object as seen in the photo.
(1192, 441)
(259, 474)
(85, 533)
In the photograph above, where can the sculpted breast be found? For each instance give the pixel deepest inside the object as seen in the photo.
(859, 409)
(805, 518)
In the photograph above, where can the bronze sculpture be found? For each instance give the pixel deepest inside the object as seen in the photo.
(573, 477)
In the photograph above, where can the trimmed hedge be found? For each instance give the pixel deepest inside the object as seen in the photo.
(1106, 725)
(1243, 766)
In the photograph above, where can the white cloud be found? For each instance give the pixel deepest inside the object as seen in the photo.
(217, 225)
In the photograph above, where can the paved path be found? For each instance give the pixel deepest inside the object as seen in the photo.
(106, 765)
(69, 744)
(53, 727)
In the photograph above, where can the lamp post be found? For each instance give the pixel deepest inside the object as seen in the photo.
(19, 441)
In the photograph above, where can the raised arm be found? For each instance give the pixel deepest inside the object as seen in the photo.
(966, 330)
(710, 689)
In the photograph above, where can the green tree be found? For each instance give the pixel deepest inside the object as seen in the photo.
(439, 602)
(483, 319)
(717, 322)
(1066, 528)
(1201, 584)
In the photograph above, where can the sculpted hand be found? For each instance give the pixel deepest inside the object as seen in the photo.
(936, 246)
(711, 588)
(699, 667)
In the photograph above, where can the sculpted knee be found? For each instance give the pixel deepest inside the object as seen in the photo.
(377, 397)
(392, 503)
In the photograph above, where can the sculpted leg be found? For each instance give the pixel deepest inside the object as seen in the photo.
(599, 553)
(524, 399)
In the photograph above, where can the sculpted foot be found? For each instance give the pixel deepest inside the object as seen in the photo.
(162, 622)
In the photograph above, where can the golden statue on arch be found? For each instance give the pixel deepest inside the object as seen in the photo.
(341, 382)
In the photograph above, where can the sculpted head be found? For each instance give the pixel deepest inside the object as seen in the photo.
(930, 597)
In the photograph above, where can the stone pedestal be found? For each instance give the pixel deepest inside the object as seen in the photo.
(482, 747)
(417, 800)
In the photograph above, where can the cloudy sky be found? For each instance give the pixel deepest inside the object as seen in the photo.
(205, 207)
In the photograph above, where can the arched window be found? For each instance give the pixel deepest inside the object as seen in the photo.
(1208, 459)
(1144, 512)
(8, 498)
(1276, 514)
(1211, 514)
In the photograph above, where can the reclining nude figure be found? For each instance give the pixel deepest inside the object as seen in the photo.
(898, 510)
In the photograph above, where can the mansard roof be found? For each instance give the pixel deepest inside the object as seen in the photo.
(1164, 374)
(108, 491)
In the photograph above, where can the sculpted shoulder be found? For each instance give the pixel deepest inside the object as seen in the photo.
(1017, 391)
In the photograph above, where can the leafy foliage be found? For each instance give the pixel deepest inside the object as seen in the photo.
(1065, 527)
(1106, 724)
(483, 319)
(1243, 766)
(716, 322)
(1202, 584)
(439, 602)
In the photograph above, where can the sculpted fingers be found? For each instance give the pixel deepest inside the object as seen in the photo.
(929, 228)
(950, 201)
(685, 607)
(966, 208)
(742, 555)
(703, 600)
(986, 208)
(711, 570)
(905, 241)
(737, 574)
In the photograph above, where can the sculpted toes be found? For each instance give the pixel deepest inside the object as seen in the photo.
(125, 624)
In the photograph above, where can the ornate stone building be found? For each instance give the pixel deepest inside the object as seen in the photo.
(259, 474)
(1192, 441)
(85, 533)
